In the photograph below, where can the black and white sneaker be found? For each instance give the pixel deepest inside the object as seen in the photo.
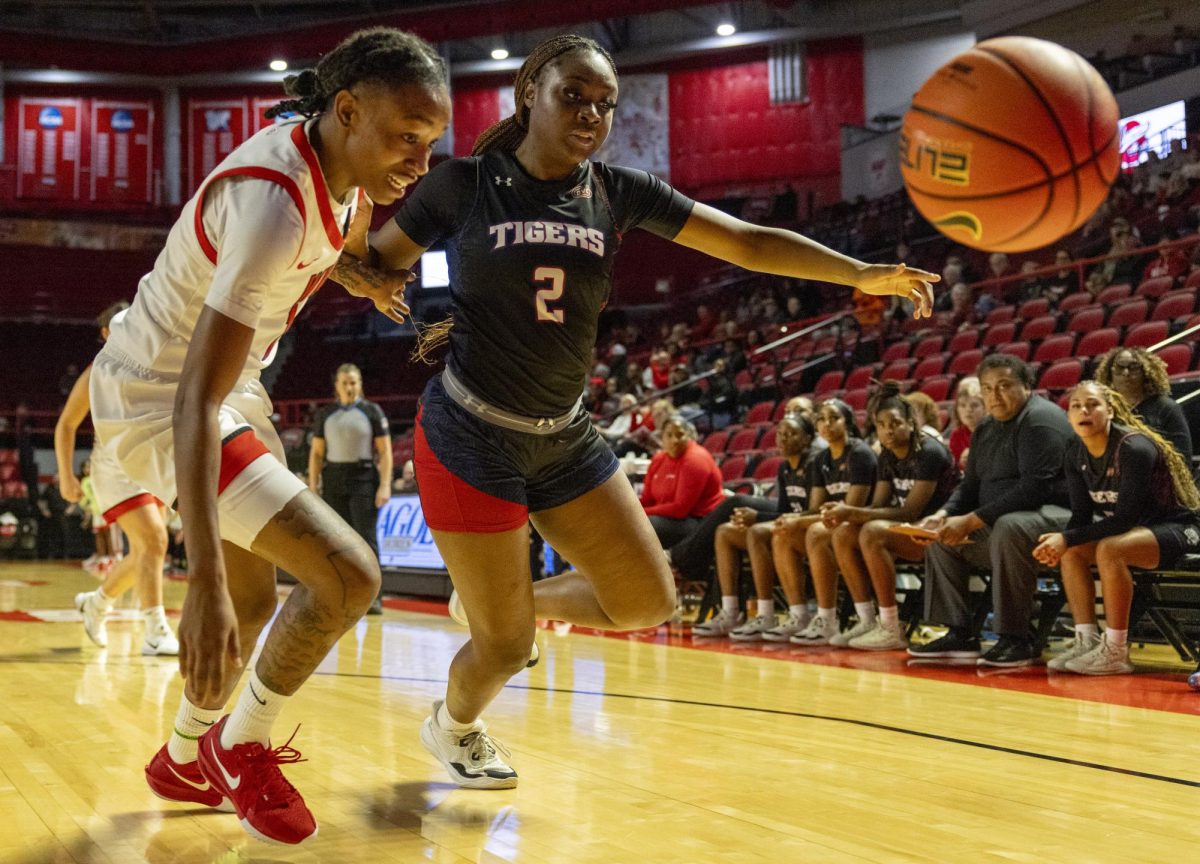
(472, 759)
(1011, 651)
(956, 644)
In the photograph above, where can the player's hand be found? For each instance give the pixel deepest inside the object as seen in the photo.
(834, 513)
(360, 227)
(382, 494)
(1050, 549)
(908, 283)
(384, 288)
(784, 524)
(70, 488)
(209, 650)
(743, 517)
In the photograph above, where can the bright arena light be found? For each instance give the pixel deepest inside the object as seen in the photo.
(278, 65)
(499, 54)
(726, 29)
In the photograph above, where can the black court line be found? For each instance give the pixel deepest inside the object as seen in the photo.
(778, 712)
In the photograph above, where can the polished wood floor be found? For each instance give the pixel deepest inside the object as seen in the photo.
(630, 750)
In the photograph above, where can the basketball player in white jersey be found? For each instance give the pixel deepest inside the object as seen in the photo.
(131, 507)
(176, 395)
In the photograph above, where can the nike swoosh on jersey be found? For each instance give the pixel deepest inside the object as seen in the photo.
(232, 782)
(306, 264)
(200, 787)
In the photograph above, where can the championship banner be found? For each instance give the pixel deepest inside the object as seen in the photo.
(122, 155)
(48, 148)
(640, 136)
(215, 128)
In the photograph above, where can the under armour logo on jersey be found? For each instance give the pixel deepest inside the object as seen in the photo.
(503, 181)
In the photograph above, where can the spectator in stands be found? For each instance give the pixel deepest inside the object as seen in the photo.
(406, 483)
(795, 308)
(1061, 283)
(611, 402)
(999, 267)
(952, 274)
(622, 424)
(1171, 261)
(1191, 166)
(842, 473)
(734, 356)
(705, 322)
(720, 401)
(1030, 287)
(747, 531)
(962, 309)
(645, 436)
(1133, 504)
(1125, 268)
(969, 410)
(1012, 493)
(926, 413)
(1141, 379)
(683, 483)
(916, 476)
(350, 461)
(658, 373)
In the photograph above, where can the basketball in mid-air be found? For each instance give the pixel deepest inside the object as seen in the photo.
(1011, 145)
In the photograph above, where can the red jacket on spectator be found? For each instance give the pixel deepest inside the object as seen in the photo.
(960, 440)
(1175, 265)
(678, 488)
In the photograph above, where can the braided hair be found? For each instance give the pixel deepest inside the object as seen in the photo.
(382, 55)
(508, 134)
(1181, 475)
(888, 398)
(1155, 380)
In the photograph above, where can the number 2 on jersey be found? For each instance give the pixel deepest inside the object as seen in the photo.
(556, 277)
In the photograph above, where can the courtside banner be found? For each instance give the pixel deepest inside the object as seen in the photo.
(404, 538)
(215, 127)
(122, 155)
(48, 148)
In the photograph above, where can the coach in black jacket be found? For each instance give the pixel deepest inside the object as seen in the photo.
(1013, 491)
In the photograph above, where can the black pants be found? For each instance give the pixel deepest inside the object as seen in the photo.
(351, 494)
(695, 552)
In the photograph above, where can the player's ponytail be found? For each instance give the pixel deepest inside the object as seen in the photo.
(380, 55)
(508, 134)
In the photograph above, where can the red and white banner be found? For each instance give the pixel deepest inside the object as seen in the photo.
(122, 151)
(48, 148)
(260, 119)
(215, 128)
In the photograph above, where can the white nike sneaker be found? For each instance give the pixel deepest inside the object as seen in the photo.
(159, 641)
(94, 618)
(472, 759)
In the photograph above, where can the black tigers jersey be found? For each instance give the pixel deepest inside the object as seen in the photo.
(531, 266)
(855, 467)
(792, 487)
(932, 462)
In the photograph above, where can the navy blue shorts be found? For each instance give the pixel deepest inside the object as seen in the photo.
(476, 477)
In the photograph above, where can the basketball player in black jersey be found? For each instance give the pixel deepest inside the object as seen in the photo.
(531, 226)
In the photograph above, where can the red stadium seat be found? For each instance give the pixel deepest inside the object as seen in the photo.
(999, 315)
(860, 377)
(1033, 308)
(1039, 328)
(927, 346)
(857, 399)
(1060, 376)
(744, 440)
(8, 470)
(767, 441)
(1130, 313)
(1145, 335)
(768, 376)
(1178, 357)
(1076, 301)
(716, 442)
(780, 410)
(733, 468)
(1113, 294)
(1086, 320)
(897, 371)
(768, 468)
(760, 412)
(898, 350)
(827, 383)
(1016, 349)
(965, 340)
(966, 363)
(938, 388)
(1177, 304)
(1156, 287)
(1193, 281)
(744, 380)
(930, 366)
(998, 334)
(1055, 348)
(1097, 342)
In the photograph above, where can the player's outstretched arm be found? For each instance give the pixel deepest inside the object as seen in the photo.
(364, 272)
(78, 405)
(786, 253)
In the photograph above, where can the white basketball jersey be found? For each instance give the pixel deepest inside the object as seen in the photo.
(255, 242)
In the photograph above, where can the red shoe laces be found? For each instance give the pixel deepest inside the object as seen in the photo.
(265, 763)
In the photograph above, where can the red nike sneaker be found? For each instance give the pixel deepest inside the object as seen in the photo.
(184, 783)
(268, 806)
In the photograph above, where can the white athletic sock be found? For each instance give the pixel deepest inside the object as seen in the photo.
(889, 615)
(766, 608)
(729, 605)
(1116, 638)
(866, 612)
(154, 618)
(827, 614)
(190, 723)
(103, 600)
(449, 724)
(1087, 632)
(254, 714)
(799, 611)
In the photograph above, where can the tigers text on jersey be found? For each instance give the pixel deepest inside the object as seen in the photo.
(255, 242)
(531, 267)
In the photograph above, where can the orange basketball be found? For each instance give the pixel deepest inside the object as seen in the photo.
(1010, 145)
